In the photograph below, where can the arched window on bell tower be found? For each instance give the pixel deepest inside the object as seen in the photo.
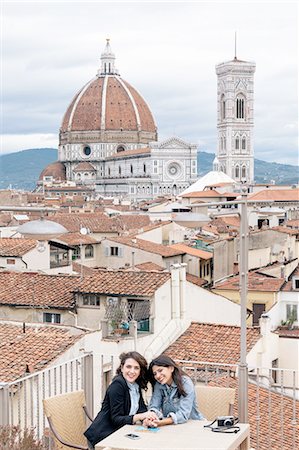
(237, 172)
(240, 107)
(222, 107)
(243, 172)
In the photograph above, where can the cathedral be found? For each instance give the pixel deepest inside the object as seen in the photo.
(108, 138)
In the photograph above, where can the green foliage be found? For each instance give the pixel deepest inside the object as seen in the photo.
(13, 438)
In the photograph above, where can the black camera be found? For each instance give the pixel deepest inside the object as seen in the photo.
(225, 421)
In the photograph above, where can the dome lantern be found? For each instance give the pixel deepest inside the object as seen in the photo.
(108, 61)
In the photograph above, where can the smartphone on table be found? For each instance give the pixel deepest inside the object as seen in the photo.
(132, 436)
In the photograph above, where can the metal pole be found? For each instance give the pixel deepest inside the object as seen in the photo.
(243, 272)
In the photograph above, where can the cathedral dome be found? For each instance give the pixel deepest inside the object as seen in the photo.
(55, 170)
(108, 109)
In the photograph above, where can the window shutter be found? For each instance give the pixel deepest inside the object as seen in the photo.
(106, 251)
(120, 252)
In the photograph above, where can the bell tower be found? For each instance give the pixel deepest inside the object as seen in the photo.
(235, 119)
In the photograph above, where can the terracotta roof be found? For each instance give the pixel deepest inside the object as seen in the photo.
(84, 165)
(286, 230)
(76, 239)
(82, 269)
(55, 170)
(80, 189)
(16, 246)
(276, 195)
(85, 111)
(285, 332)
(293, 223)
(36, 347)
(130, 153)
(231, 221)
(269, 411)
(229, 194)
(192, 251)
(202, 194)
(33, 289)
(149, 266)
(211, 342)
(153, 226)
(256, 282)
(148, 246)
(99, 222)
(196, 280)
(123, 283)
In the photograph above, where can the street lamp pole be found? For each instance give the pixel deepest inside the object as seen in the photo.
(243, 273)
(243, 282)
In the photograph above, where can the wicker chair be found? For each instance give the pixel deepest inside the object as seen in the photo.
(66, 414)
(214, 401)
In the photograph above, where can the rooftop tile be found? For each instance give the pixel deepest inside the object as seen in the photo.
(34, 348)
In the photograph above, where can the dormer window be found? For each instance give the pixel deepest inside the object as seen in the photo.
(296, 284)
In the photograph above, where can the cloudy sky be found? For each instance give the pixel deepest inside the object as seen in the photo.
(166, 50)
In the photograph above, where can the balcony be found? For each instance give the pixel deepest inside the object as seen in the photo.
(273, 396)
(126, 317)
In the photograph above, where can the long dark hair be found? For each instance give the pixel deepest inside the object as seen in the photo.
(142, 380)
(177, 374)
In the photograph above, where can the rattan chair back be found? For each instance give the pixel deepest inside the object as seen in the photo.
(214, 401)
(67, 415)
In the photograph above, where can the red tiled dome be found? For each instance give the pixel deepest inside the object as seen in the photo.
(108, 109)
(55, 170)
(108, 103)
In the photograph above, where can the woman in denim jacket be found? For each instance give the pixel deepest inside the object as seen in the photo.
(173, 398)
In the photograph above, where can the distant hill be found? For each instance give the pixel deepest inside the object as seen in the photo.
(21, 170)
(264, 172)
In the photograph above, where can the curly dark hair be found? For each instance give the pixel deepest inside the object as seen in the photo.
(177, 374)
(142, 380)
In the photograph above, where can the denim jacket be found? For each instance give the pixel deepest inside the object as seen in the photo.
(165, 402)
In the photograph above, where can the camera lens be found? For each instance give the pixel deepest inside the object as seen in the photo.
(228, 423)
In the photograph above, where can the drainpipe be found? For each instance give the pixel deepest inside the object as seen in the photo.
(183, 290)
(133, 332)
(175, 291)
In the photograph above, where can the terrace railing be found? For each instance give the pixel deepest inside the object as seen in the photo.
(273, 395)
(21, 400)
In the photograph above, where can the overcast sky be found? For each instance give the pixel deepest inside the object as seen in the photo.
(166, 50)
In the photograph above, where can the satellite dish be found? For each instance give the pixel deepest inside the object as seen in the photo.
(83, 231)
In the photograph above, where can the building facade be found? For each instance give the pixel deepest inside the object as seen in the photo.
(235, 119)
(108, 139)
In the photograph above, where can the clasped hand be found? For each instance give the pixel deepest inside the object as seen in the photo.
(151, 421)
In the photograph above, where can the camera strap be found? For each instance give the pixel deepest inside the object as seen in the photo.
(225, 429)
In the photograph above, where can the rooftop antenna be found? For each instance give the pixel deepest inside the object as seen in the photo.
(235, 46)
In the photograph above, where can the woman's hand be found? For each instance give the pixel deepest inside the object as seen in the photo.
(151, 422)
(147, 415)
(154, 423)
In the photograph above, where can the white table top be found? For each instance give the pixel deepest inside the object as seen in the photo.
(188, 436)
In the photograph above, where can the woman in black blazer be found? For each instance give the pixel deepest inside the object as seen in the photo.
(123, 403)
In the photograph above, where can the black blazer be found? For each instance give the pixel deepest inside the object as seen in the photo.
(114, 412)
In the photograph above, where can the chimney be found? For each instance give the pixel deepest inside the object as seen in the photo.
(175, 291)
(183, 290)
(265, 325)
